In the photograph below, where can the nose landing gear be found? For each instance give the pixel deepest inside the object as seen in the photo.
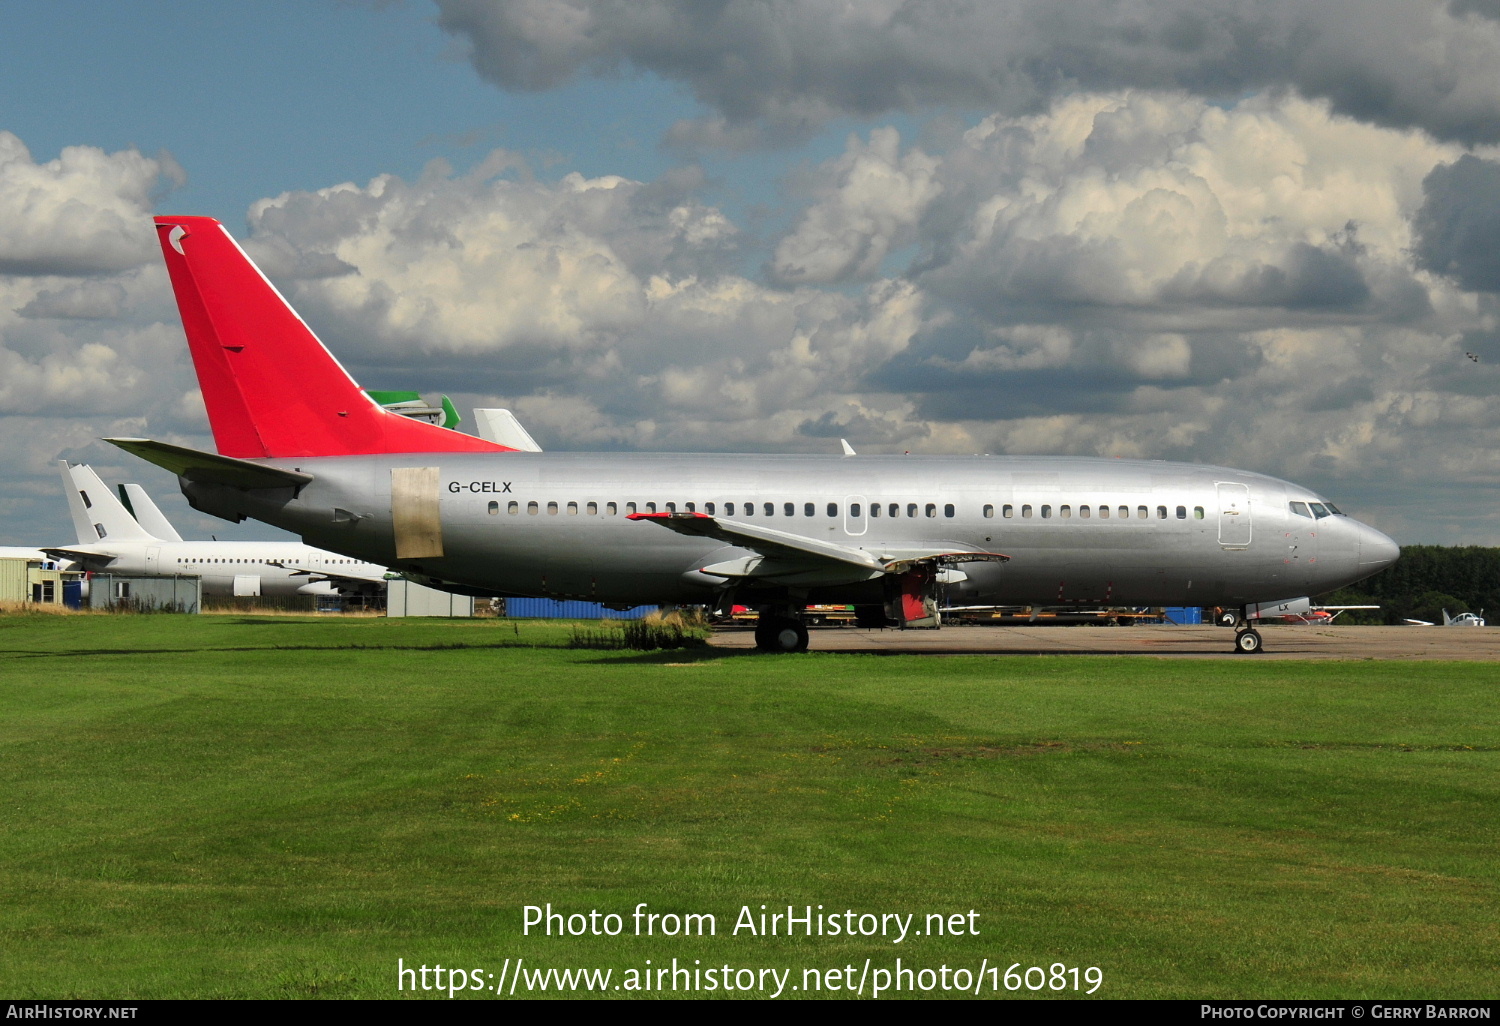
(1247, 640)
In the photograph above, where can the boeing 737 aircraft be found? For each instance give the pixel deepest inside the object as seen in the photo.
(111, 540)
(302, 447)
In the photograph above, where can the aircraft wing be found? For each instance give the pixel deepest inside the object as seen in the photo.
(210, 467)
(785, 555)
(325, 575)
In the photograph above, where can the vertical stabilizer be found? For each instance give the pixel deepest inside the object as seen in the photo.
(270, 387)
(97, 514)
(502, 428)
(147, 514)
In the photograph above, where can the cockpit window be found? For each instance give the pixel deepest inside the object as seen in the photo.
(1300, 508)
(1319, 510)
(1335, 510)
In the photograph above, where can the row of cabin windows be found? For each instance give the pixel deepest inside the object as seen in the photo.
(743, 509)
(1086, 512)
(809, 509)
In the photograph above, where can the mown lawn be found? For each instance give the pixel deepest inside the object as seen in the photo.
(281, 807)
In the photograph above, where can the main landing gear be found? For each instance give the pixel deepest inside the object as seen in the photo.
(780, 633)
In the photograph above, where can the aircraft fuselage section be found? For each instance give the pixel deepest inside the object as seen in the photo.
(1078, 530)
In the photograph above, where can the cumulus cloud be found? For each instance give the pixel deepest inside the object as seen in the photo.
(616, 299)
(86, 212)
(1458, 227)
(875, 197)
(782, 68)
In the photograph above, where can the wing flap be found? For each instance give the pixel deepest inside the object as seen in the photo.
(791, 558)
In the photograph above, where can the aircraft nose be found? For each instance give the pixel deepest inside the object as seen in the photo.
(1376, 551)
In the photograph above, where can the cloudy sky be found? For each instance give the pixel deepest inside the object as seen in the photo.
(1260, 233)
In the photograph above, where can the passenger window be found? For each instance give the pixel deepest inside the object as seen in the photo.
(1141, 513)
(833, 509)
(611, 509)
(494, 508)
(1066, 512)
(874, 509)
(809, 509)
(629, 508)
(592, 509)
(650, 507)
(948, 510)
(708, 508)
(789, 509)
(1181, 512)
(854, 510)
(1083, 511)
(1319, 510)
(1124, 513)
(770, 509)
(691, 507)
(552, 509)
(1161, 512)
(1008, 511)
(532, 509)
(1046, 512)
(1197, 512)
(749, 509)
(671, 507)
(989, 511)
(932, 509)
(729, 509)
(1103, 512)
(1025, 510)
(572, 509)
(895, 509)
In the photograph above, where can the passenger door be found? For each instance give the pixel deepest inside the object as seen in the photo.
(1234, 515)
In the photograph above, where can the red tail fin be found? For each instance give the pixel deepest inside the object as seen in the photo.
(270, 386)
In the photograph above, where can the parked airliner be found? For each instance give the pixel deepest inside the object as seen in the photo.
(302, 447)
(111, 540)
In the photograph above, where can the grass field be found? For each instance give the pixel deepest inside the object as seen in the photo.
(282, 807)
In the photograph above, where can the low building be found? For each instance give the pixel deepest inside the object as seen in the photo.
(174, 594)
(38, 582)
(405, 598)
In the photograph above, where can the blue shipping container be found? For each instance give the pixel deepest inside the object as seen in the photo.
(1183, 615)
(571, 610)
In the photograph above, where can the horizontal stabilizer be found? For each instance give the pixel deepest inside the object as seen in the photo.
(210, 468)
(88, 558)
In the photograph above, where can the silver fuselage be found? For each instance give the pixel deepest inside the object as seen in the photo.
(555, 524)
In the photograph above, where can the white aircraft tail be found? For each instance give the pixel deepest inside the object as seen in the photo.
(502, 428)
(96, 512)
(147, 514)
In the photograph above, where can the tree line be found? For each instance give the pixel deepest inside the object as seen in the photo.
(1426, 580)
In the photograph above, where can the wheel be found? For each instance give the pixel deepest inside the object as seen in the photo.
(1247, 641)
(1227, 619)
(779, 634)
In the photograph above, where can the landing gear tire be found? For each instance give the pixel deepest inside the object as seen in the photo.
(780, 634)
(1247, 642)
(1227, 618)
